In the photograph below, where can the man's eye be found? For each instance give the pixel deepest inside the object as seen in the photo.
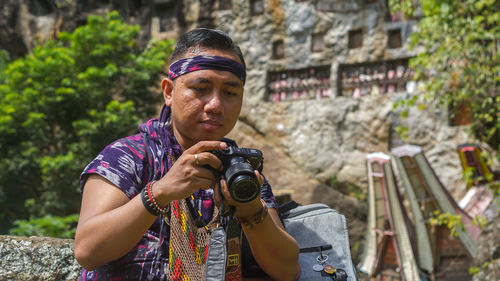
(231, 93)
(198, 89)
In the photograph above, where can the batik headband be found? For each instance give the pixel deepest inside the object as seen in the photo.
(187, 65)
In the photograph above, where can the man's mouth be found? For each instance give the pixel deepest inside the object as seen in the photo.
(211, 124)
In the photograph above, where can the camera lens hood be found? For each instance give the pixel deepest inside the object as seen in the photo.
(242, 182)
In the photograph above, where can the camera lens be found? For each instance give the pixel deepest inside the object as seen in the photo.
(242, 182)
(244, 188)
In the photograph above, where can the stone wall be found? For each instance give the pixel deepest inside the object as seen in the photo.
(52, 259)
(330, 137)
(487, 258)
(37, 259)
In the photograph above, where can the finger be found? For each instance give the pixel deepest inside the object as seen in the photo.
(207, 158)
(225, 192)
(203, 183)
(216, 194)
(204, 173)
(260, 177)
(206, 146)
(226, 197)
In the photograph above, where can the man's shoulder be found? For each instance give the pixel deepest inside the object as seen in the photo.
(133, 144)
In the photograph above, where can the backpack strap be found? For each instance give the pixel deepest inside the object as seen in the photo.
(284, 208)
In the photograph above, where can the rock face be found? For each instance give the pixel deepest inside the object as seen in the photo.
(324, 137)
(37, 258)
(488, 252)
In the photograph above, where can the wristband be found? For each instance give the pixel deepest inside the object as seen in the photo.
(149, 201)
(148, 204)
(258, 218)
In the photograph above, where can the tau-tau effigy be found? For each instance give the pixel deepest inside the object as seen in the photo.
(388, 253)
(439, 255)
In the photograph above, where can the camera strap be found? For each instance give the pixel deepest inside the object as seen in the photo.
(220, 247)
(222, 212)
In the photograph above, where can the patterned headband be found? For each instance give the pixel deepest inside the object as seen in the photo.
(187, 65)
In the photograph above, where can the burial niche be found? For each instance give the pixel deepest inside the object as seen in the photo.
(317, 42)
(165, 11)
(375, 78)
(278, 49)
(256, 7)
(337, 6)
(394, 39)
(225, 4)
(40, 7)
(299, 84)
(355, 39)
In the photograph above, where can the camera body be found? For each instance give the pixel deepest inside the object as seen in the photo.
(238, 169)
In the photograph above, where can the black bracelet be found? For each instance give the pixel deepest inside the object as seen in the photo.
(147, 203)
(152, 199)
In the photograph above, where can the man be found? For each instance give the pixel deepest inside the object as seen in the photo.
(119, 233)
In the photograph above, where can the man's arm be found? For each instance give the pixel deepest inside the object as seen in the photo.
(273, 248)
(275, 251)
(110, 224)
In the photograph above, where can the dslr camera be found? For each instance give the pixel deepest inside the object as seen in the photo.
(238, 169)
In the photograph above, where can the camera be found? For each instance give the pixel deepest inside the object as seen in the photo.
(238, 169)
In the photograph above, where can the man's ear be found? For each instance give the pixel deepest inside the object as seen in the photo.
(167, 87)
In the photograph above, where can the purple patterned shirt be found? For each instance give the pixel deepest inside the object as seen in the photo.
(130, 164)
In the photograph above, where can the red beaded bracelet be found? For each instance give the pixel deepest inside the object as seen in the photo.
(152, 199)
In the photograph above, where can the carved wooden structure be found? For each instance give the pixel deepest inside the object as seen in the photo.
(440, 256)
(388, 253)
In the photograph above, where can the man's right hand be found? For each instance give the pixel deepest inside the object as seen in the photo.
(189, 173)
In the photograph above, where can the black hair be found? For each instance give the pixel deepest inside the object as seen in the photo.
(205, 38)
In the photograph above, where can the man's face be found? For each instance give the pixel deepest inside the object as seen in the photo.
(205, 103)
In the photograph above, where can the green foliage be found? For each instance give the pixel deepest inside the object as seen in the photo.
(4, 60)
(403, 131)
(459, 62)
(347, 188)
(479, 221)
(453, 222)
(62, 104)
(62, 227)
(473, 270)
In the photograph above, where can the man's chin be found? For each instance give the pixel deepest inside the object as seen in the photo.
(216, 136)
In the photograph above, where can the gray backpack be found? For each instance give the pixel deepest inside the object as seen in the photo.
(321, 233)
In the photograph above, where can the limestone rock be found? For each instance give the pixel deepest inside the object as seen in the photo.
(488, 252)
(37, 258)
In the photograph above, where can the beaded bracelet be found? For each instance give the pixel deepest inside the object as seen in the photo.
(260, 217)
(147, 204)
(149, 201)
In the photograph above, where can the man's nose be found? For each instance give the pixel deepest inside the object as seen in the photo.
(214, 102)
